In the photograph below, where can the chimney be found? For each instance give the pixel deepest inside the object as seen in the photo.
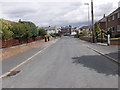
(104, 16)
(19, 20)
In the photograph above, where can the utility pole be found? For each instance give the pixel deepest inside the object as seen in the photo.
(70, 29)
(93, 31)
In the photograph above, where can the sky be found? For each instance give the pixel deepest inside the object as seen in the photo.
(55, 12)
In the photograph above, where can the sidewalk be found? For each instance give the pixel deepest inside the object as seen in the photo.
(111, 51)
(11, 62)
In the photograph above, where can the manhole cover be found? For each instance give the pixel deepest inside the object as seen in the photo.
(12, 73)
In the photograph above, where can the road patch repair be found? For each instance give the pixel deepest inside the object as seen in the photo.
(13, 71)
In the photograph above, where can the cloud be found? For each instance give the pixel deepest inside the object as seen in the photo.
(14, 10)
(54, 13)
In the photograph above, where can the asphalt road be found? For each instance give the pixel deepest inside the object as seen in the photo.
(66, 64)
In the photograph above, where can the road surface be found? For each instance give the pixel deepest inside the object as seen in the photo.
(68, 63)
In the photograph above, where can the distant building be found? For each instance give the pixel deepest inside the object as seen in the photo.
(85, 28)
(51, 29)
(65, 30)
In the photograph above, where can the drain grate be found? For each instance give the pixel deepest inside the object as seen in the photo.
(12, 73)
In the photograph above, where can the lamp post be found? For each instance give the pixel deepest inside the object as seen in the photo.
(93, 31)
(88, 19)
(88, 12)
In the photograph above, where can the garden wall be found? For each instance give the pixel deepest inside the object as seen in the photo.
(14, 50)
(115, 42)
(14, 42)
(112, 42)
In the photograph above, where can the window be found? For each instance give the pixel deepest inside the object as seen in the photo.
(119, 15)
(109, 19)
(118, 27)
(113, 17)
(113, 29)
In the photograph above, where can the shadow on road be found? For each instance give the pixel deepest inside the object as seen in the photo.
(98, 63)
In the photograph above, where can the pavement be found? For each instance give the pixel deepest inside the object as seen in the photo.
(9, 63)
(66, 63)
(111, 51)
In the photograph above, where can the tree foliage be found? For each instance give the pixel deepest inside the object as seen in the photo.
(5, 27)
(97, 30)
(31, 27)
(41, 32)
(17, 30)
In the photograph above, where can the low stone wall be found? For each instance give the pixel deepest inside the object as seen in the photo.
(115, 42)
(112, 42)
(86, 38)
(15, 42)
(14, 50)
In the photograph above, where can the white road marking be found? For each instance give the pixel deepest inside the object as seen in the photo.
(29, 59)
(102, 54)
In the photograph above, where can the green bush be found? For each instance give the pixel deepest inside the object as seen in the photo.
(57, 34)
(5, 31)
(42, 32)
(84, 33)
(115, 35)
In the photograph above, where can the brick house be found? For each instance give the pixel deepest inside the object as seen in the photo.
(112, 21)
(102, 23)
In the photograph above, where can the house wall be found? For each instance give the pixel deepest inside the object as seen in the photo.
(113, 23)
(102, 25)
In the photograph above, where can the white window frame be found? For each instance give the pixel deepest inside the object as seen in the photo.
(118, 14)
(113, 17)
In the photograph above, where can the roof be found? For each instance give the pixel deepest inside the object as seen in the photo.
(85, 27)
(114, 12)
(50, 28)
(102, 20)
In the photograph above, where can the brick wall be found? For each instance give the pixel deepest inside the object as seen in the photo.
(115, 42)
(112, 42)
(14, 42)
(86, 38)
(12, 51)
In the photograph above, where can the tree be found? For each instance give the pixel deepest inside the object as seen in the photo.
(5, 29)
(98, 31)
(18, 30)
(85, 33)
(110, 32)
(31, 27)
(41, 32)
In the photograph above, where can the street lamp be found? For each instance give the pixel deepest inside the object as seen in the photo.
(93, 32)
(88, 19)
(88, 12)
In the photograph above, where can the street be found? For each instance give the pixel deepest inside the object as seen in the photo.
(67, 63)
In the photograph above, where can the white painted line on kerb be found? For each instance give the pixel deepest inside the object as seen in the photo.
(29, 59)
(102, 54)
